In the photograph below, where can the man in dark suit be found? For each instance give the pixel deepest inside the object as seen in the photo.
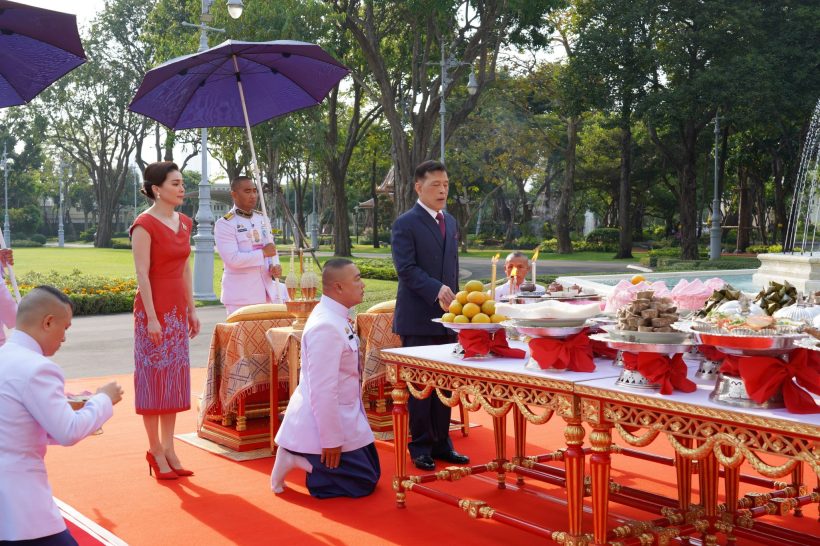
(425, 253)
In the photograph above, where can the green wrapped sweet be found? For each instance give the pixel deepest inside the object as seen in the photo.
(776, 296)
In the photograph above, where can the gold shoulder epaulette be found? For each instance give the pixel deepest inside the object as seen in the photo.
(229, 216)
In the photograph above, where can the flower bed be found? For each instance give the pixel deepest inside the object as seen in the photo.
(90, 294)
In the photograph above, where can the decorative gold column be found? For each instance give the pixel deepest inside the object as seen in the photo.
(500, 434)
(708, 475)
(797, 483)
(600, 463)
(400, 396)
(574, 461)
(520, 432)
(683, 471)
(731, 484)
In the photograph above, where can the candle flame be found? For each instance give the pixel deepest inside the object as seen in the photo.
(514, 272)
(535, 256)
(495, 258)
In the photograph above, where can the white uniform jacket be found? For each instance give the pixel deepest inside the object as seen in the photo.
(246, 279)
(326, 408)
(33, 413)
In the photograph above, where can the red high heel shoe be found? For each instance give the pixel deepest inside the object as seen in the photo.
(154, 466)
(181, 471)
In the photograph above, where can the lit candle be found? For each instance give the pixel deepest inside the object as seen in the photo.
(513, 281)
(292, 256)
(492, 279)
(534, 258)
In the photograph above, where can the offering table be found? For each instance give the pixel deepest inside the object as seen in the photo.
(722, 435)
(236, 384)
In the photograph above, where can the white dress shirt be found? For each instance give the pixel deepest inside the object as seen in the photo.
(34, 412)
(326, 409)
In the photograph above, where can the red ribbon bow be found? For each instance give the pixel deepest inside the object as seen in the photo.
(600, 348)
(658, 368)
(572, 353)
(711, 353)
(763, 376)
(482, 343)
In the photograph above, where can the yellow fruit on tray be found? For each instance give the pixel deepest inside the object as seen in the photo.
(496, 318)
(448, 317)
(474, 286)
(488, 307)
(455, 307)
(477, 297)
(461, 319)
(637, 279)
(462, 297)
(470, 310)
(480, 318)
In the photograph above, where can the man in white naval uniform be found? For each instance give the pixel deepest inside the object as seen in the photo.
(325, 431)
(245, 243)
(8, 307)
(34, 412)
(519, 262)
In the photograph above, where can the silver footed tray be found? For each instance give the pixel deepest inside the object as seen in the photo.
(765, 342)
(641, 347)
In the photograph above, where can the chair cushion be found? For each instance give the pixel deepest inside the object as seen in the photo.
(383, 307)
(259, 311)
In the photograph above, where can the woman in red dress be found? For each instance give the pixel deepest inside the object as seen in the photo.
(164, 315)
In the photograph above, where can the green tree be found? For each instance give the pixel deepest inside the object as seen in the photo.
(403, 42)
(88, 111)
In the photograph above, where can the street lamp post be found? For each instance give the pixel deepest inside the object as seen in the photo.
(715, 232)
(446, 63)
(204, 238)
(60, 227)
(6, 225)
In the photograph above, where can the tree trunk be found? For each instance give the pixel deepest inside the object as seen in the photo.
(506, 216)
(341, 225)
(781, 218)
(688, 195)
(744, 211)
(625, 191)
(565, 200)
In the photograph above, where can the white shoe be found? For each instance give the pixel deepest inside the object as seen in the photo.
(284, 463)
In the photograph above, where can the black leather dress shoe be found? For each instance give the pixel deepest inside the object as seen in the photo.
(453, 457)
(424, 462)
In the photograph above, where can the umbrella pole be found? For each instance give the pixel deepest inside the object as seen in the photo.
(10, 269)
(257, 173)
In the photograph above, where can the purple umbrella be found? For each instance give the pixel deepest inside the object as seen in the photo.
(37, 47)
(238, 84)
(205, 89)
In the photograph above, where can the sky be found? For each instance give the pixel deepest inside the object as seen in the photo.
(83, 9)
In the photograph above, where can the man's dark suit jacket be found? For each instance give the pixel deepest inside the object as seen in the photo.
(424, 261)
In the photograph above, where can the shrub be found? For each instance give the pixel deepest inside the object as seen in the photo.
(90, 294)
(377, 268)
(764, 249)
(26, 243)
(88, 234)
(526, 242)
(121, 243)
(604, 235)
(38, 238)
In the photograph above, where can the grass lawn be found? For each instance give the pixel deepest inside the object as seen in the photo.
(119, 263)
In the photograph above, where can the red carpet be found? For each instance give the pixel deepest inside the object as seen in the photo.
(106, 478)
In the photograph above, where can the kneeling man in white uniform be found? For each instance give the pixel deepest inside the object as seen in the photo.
(34, 412)
(325, 431)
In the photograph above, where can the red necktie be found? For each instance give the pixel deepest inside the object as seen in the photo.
(440, 220)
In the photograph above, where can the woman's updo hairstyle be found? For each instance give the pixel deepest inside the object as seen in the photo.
(155, 175)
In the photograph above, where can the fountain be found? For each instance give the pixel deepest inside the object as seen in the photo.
(797, 263)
